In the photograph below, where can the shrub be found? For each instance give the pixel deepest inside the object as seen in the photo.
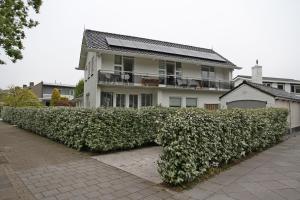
(97, 130)
(195, 140)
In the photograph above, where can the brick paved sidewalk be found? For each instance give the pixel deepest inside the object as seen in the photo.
(33, 167)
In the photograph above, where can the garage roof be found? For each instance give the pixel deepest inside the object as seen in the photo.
(268, 90)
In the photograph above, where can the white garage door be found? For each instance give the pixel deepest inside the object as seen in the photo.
(246, 104)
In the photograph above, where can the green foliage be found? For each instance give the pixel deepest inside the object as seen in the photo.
(79, 88)
(97, 130)
(196, 140)
(55, 97)
(13, 21)
(64, 101)
(19, 97)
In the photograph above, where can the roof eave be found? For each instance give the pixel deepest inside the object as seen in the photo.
(209, 63)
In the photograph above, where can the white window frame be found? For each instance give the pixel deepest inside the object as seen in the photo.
(122, 63)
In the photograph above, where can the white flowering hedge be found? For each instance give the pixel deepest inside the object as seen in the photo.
(195, 140)
(96, 130)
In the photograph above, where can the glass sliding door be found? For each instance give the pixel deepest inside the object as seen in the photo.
(133, 101)
(170, 66)
(128, 69)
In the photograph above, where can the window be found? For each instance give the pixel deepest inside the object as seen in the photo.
(120, 100)
(123, 63)
(107, 99)
(268, 84)
(211, 106)
(191, 102)
(118, 60)
(178, 70)
(146, 100)
(280, 86)
(133, 100)
(208, 72)
(169, 71)
(295, 89)
(175, 101)
(162, 72)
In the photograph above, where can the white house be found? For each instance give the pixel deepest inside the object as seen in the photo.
(126, 71)
(286, 84)
(254, 94)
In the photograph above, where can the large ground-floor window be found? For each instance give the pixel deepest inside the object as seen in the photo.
(107, 99)
(133, 101)
(146, 100)
(120, 100)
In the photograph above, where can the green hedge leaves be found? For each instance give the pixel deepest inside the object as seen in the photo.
(195, 140)
(96, 130)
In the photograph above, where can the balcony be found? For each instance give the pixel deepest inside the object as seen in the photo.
(106, 77)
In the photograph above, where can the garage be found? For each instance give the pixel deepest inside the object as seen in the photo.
(251, 95)
(246, 104)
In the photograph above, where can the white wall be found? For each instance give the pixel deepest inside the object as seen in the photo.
(294, 111)
(203, 97)
(246, 92)
(90, 82)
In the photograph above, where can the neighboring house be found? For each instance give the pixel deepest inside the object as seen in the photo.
(126, 71)
(288, 85)
(44, 91)
(254, 94)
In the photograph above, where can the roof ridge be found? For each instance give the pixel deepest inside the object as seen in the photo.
(154, 40)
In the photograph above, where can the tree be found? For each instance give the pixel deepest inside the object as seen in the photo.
(55, 97)
(18, 97)
(13, 20)
(79, 88)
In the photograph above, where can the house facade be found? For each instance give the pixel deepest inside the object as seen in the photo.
(126, 71)
(44, 91)
(256, 94)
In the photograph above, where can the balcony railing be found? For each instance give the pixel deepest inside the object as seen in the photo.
(138, 79)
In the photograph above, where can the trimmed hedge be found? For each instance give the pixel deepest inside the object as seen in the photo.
(195, 140)
(96, 130)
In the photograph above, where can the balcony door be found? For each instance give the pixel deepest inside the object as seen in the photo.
(124, 67)
(169, 71)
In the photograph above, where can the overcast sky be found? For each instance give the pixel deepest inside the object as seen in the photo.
(241, 31)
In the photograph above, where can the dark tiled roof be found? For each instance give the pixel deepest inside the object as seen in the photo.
(268, 90)
(97, 40)
(265, 78)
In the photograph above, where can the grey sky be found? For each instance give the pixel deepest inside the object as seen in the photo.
(242, 31)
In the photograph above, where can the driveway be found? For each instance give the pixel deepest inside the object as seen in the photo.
(33, 167)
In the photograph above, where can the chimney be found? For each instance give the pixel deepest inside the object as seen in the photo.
(257, 73)
(31, 84)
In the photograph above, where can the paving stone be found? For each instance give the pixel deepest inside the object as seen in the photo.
(289, 194)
